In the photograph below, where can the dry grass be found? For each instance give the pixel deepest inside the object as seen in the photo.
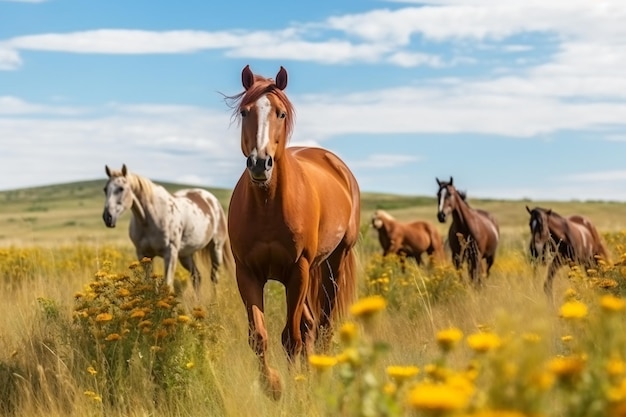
(44, 358)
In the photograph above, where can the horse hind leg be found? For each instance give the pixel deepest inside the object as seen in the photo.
(190, 265)
(216, 252)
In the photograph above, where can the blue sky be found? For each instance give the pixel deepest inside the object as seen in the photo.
(515, 99)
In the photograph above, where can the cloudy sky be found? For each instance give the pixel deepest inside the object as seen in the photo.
(515, 99)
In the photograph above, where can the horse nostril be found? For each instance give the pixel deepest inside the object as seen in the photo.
(269, 162)
(250, 162)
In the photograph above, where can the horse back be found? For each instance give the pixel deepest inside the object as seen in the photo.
(336, 187)
(590, 238)
(202, 213)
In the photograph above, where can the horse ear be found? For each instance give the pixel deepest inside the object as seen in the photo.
(124, 170)
(247, 77)
(549, 212)
(281, 78)
(438, 182)
(107, 170)
(528, 210)
(451, 180)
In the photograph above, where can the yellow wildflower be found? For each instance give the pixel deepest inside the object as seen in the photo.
(169, 321)
(611, 303)
(483, 342)
(183, 319)
(567, 338)
(162, 304)
(104, 317)
(138, 314)
(368, 306)
(113, 337)
(437, 398)
(448, 338)
(322, 362)
(144, 323)
(573, 310)
(123, 292)
(198, 313)
(92, 370)
(348, 332)
(402, 373)
(190, 365)
(390, 388)
(567, 368)
(615, 366)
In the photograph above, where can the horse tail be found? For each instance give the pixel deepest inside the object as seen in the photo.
(346, 291)
(436, 242)
(228, 258)
(600, 248)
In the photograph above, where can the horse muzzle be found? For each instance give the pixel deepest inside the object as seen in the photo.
(260, 169)
(109, 221)
(441, 216)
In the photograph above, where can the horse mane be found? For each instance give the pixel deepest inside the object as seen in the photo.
(383, 214)
(141, 186)
(260, 87)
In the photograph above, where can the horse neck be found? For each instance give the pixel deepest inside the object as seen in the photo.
(143, 206)
(462, 213)
(558, 227)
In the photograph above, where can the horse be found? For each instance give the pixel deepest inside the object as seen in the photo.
(541, 251)
(474, 233)
(575, 240)
(294, 217)
(407, 239)
(172, 226)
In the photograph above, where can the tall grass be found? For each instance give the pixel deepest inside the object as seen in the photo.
(89, 331)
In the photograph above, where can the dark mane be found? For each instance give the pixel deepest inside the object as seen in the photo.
(260, 87)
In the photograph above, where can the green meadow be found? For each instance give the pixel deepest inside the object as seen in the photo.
(88, 330)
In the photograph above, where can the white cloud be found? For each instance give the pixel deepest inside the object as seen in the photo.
(9, 59)
(597, 177)
(15, 106)
(415, 59)
(382, 161)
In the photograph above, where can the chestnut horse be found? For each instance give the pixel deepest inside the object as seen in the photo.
(408, 239)
(473, 235)
(188, 223)
(574, 239)
(294, 217)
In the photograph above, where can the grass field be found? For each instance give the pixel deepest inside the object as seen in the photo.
(84, 333)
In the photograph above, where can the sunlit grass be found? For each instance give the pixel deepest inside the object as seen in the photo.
(90, 331)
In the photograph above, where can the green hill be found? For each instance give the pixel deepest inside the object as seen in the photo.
(73, 212)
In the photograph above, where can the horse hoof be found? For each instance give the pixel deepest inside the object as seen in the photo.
(272, 385)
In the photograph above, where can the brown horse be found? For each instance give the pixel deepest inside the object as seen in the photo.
(574, 239)
(407, 239)
(473, 235)
(294, 217)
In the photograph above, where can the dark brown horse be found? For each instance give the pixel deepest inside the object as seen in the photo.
(473, 235)
(294, 217)
(408, 239)
(574, 239)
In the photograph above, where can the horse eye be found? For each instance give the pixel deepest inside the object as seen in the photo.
(244, 112)
(105, 190)
(118, 190)
(282, 115)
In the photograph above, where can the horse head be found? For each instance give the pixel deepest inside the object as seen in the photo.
(266, 122)
(377, 221)
(539, 229)
(444, 199)
(118, 195)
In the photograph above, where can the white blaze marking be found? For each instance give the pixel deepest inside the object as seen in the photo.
(533, 225)
(264, 107)
(442, 197)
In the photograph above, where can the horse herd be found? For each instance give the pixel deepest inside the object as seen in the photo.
(294, 217)
(474, 235)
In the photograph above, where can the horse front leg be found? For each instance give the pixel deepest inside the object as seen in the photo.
(190, 265)
(251, 291)
(169, 258)
(297, 289)
(547, 286)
